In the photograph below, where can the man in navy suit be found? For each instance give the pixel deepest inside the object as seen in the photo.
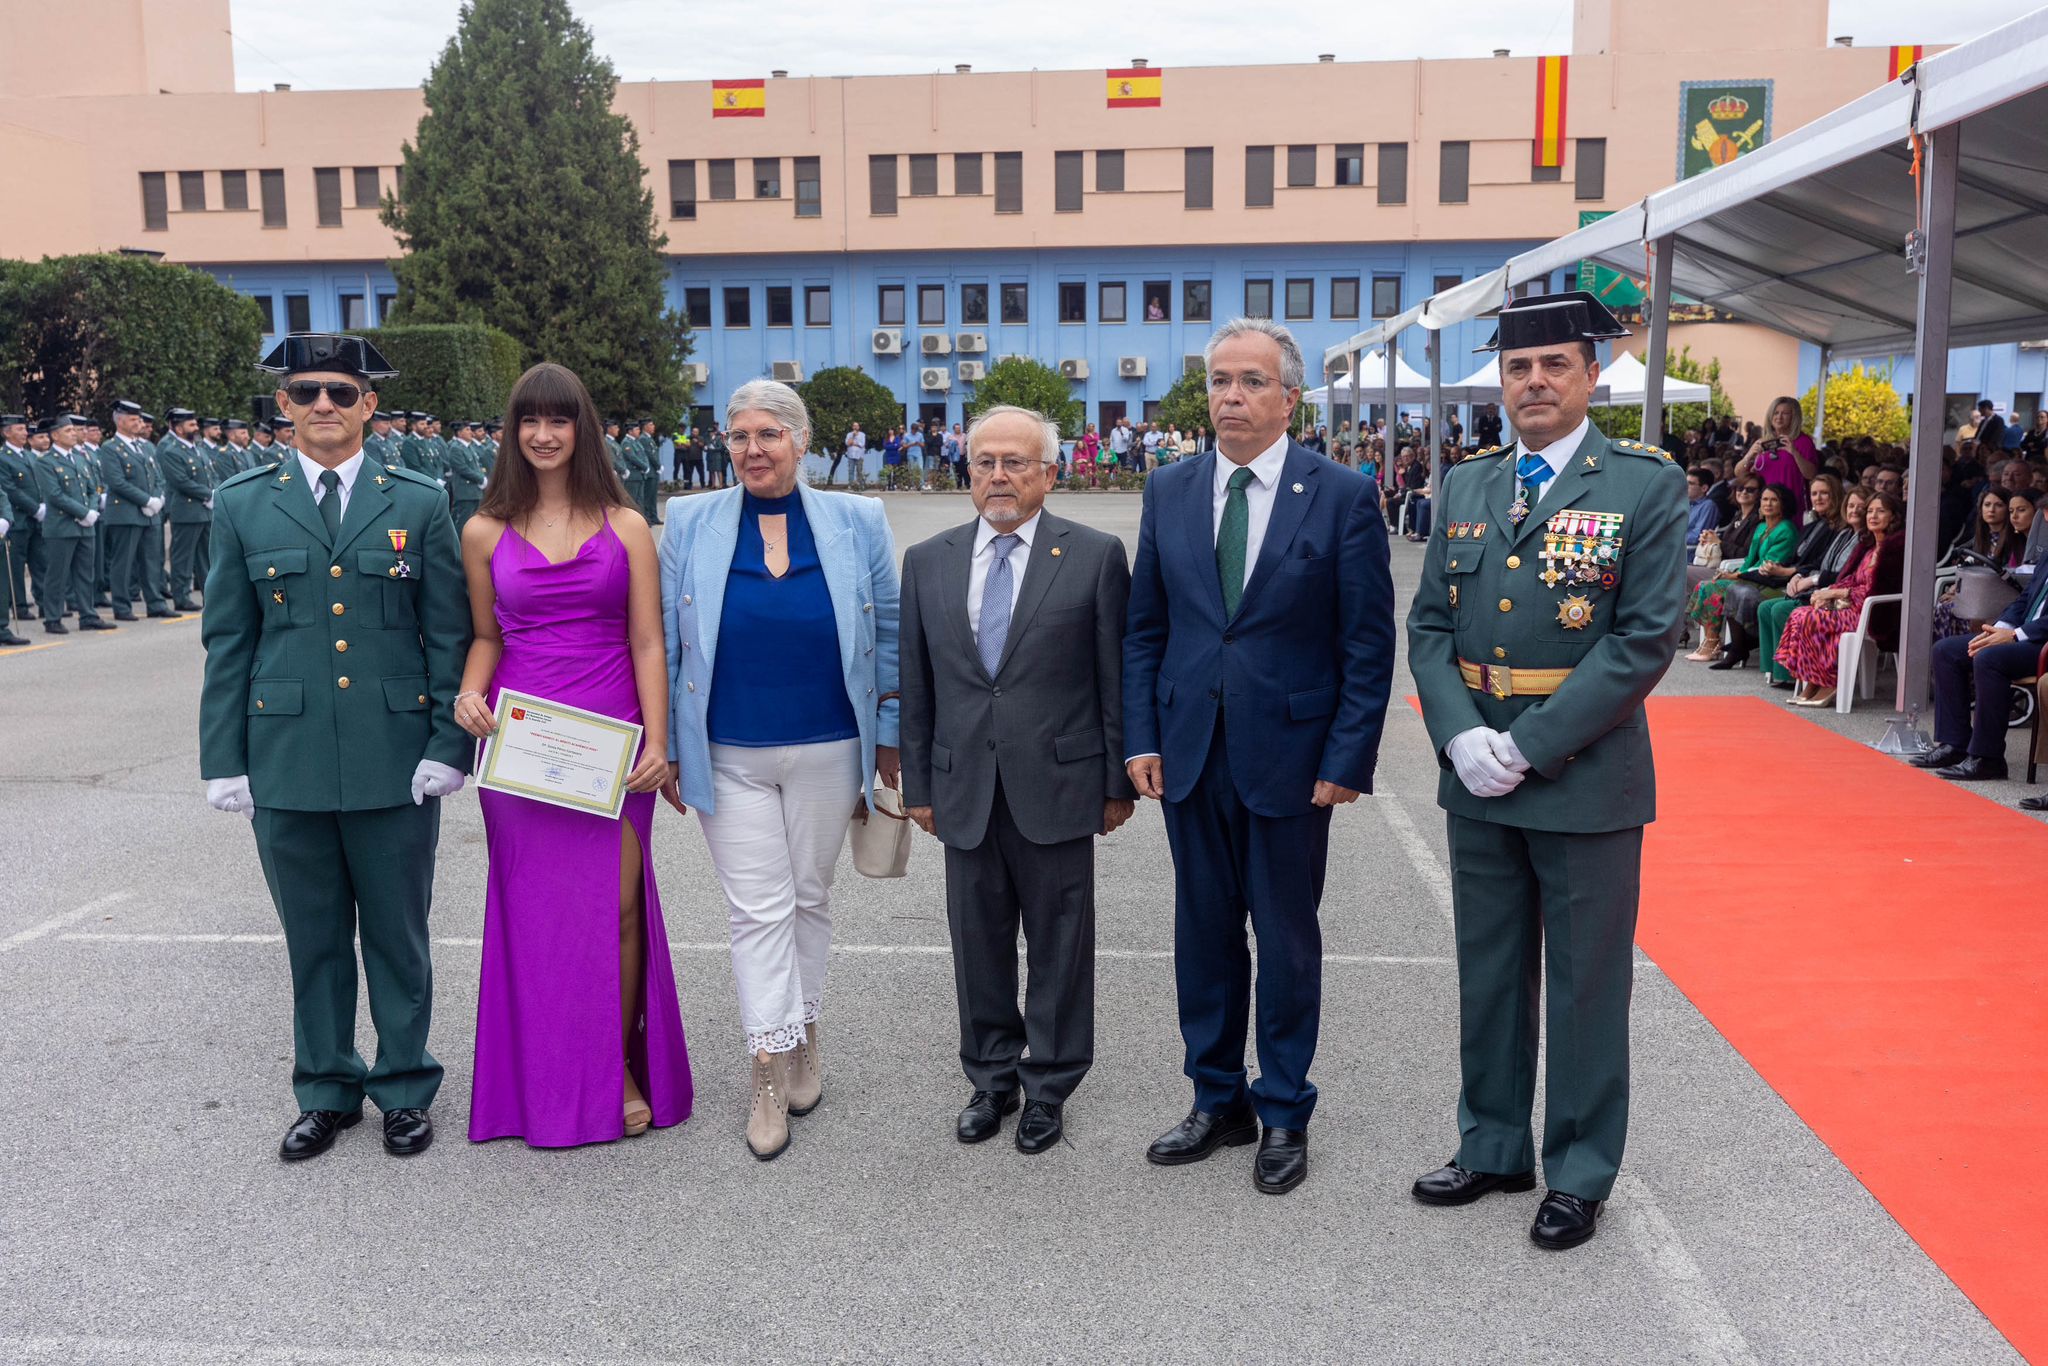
(1257, 660)
(1985, 664)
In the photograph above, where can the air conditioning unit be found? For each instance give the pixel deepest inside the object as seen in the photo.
(697, 372)
(888, 341)
(935, 377)
(1193, 365)
(971, 341)
(1130, 367)
(1074, 369)
(935, 344)
(972, 370)
(788, 371)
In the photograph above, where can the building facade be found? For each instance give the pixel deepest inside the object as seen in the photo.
(922, 226)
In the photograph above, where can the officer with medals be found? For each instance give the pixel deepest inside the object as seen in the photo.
(337, 624)
(1549, 604)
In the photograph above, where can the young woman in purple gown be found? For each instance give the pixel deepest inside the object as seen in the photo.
(579, 1037)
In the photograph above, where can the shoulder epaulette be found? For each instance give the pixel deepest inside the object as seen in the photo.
(1646, 451)
(424, 481)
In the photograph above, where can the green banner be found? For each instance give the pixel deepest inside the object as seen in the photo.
(1619, 290)
(1719, 121)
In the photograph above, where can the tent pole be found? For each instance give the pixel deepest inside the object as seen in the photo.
(1393, 413)
(1820, 396)
(1436, 409)
(1930, 407)
(1357, 413)
(1659, 305)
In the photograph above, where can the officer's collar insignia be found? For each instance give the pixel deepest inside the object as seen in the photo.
(1592, 462)
(284, 476)
(379, 480)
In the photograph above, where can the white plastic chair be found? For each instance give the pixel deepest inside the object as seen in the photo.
(1856, 661)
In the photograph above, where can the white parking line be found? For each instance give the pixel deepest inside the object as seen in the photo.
(111, 1351)
(50, 927)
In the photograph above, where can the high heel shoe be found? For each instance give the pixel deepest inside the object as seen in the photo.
(1728, 659)
(1710, 645)
(638, 1115)
(1819, 699)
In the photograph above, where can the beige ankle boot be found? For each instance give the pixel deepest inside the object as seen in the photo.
(768, 1121)
(806, 1073)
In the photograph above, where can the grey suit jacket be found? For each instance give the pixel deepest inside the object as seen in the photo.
(1051, 720)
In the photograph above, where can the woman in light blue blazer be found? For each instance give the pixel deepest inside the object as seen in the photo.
(780, 605)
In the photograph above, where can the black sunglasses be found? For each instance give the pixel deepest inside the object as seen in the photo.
(304, 393)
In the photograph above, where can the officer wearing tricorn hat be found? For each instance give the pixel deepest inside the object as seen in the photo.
(1548, 607)
(336, 628)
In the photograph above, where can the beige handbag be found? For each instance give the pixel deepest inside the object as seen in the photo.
(881, 847)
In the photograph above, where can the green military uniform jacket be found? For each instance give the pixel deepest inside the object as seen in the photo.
(87, 458)
(490, 456)
(131, 479)
(331, 669)
(418, 454)
(641, 456)
(226, 463)
(188, 474)
(70, 494)
(19, 488)
(465, 473)
(617, 452)
(1593, 581)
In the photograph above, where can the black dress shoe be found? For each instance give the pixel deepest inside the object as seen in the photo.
(2028, 804)
(1728, 659)
(1941, 756)
(407, 1132)
(983, 1117)
(1202, 1133)
(8, 638)
(1040, 1127)
(314, 1132)
(1973, 768)
(184, 605)
(124, 616)
(1564, 1221)
(1451, 1184)
(1282, 1161)
(56, 628)
(165, 614)
(95, 623)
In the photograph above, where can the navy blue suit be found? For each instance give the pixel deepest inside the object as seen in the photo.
(1958, 674)
(1301, 673)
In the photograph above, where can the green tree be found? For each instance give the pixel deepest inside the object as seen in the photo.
(841, 395)
(1030, 384)
(1626, 422)
(1861, 403)
(79, 332)
(1186, 404)
(524, 208)
(458, 370)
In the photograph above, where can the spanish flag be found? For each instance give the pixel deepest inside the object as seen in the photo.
(1550, 82)
(739, 99)
(1904, 59)
(1137, 88)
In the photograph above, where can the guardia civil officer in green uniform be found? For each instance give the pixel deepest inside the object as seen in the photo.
(377, 443)
(65, 579)
(135, 497)
(336, 628)
(1548, 608)
(239, 445)
(188, 473)
(466, 475)
(22, 506)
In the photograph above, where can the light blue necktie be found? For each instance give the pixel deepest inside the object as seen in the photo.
(995, 605)
(1533, 471)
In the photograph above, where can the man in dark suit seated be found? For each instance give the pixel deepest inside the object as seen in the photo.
(1984, 666)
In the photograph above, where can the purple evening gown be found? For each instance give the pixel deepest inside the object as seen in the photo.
(547, 1014)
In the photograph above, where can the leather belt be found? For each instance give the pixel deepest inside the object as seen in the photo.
(1503, 682)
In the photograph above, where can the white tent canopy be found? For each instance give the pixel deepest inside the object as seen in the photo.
(1622, 384)
(1409, 386)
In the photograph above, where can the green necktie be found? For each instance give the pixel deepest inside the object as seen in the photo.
(1230, 538)
(330, 504)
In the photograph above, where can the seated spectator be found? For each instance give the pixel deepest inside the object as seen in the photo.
(2034, 445)
(1769, 541)
(1768, 581)
(1785, 455)
(1702, 513)
(1844, 549)
(1983, 666)
(1989, 535)
(1889, 478)
(2029, 521)
(1808, 649)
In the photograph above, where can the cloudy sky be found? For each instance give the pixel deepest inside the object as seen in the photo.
(382, 43)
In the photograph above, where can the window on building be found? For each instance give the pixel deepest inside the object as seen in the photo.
(234, 190)
(1194, 301)
(298, 313)
(697, 305)
(1546, 175)
(1351, 163)
(1016, 303)
(191, 192)
(889, 305)
(385, 303)
(1258, 298)
(974, 304)
(724, 178)
(817, 305)
(327, 195)
(808, 200)
(367, 193)
(1386, 295)
(353, 314)
(1444, 282)
(1009, 182)
(682, 189)
(1591, 156)
(1109, 302)
(1066, 182)
(781, 304)
(767, 177)
(1109, 171)
(155, 205)
(268, 307)
(924, 173)
(270, 185)
(1393, 173)
(739, 306)
(967, 173)
(882, 185)
(1344, 297)
(1454, 172)
(1301, 299)
(1301, 164)
(1158, 301)
(1258, 177)
(1199, 179)
(1073, 302)
(931, 305)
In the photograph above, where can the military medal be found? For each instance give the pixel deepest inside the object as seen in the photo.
(397, 535)
(1575, 612)
(1454, 595)
(1518, 511)
(277, 596)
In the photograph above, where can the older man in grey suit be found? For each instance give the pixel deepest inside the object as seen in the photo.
(1012, 732)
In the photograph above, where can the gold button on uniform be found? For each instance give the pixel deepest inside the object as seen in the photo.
(341, 682)
(271, 572)
(1454, 564)
(423, 699)
(341, 647)
(1499, 652)
(334, 571)
(1506, 605)
(1514, 561)
(259, 704)
(339, 609)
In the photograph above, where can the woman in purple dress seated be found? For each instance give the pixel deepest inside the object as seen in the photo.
(579, 1038)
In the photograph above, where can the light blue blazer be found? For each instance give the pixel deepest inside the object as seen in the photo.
(859, 559)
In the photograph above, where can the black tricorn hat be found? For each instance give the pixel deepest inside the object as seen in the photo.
(280, 422)
(1553, 320)
(302, 351)
(128, 407)
(178, 414)
(235, 424)
(12, 419)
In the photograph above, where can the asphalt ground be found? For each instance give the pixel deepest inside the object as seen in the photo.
(145, 1041)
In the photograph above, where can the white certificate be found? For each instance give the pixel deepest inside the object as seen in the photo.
(564, 756)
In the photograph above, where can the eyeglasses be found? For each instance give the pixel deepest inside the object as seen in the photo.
(304, 393)
(1252, 383)
(1013, 465)
(739, 443)
(1751, 490)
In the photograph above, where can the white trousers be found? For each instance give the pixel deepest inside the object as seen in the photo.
(775, 839)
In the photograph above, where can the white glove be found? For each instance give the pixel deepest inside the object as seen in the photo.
(1507, 751)
(1478, 768)
(103, 502)
(433, 779)
(209, 500)
(91, 515)
(42, 511)
(153, 507)
(231, 795)
(5, 527)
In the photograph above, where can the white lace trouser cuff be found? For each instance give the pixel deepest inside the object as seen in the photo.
(783, 1038)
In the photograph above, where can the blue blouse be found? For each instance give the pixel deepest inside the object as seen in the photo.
(777, 680)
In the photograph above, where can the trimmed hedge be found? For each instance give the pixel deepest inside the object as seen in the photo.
(452, 370)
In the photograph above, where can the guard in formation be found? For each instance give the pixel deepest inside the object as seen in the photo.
(1549, 605)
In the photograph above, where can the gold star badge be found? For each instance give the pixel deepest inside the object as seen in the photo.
(1575, 612)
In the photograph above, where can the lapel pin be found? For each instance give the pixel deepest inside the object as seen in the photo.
(380, 479)
(1592, 462)
(1055, 550)
(1297, 488)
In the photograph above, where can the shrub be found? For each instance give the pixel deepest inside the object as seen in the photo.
(462, 370)
(1861, 403)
